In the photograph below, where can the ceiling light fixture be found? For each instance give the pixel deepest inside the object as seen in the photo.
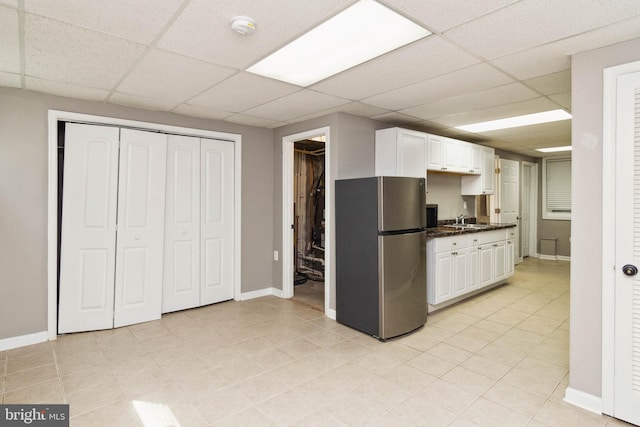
(554, 149)
(512, 122)
(359, 33)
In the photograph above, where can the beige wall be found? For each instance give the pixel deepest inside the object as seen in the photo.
(586, 258)
(23, 200)
(352, 156)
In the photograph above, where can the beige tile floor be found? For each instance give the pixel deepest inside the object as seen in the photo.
(499, 359)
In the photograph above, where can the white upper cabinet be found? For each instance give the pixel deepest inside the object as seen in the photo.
(483, 183)
(451, 155)
(435, 152)
(401, 152)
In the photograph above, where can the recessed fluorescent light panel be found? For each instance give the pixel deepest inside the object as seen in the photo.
(513, 122)
(554, 149)
(361, 32)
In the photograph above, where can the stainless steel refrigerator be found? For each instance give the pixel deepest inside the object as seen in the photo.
(381, 285)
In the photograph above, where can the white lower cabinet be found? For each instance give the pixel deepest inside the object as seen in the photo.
(457, 265)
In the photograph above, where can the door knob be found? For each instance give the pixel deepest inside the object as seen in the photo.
(630, 270)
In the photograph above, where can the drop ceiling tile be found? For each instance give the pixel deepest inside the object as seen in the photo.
(360, 109)
(205, 113)
(166, 75)
(203, 29)
(242, 92)
(10, 80)
(9, 41)
(551, 83)
(419, 61)
(535, 105)
(540, 135)
(243, 119)
(530, 23)
(442, 15)
(296, 105)
(471, 79)
(65, 89)
(141, 102)
(506, 94)
(393, 117)
(139, 20)
(556, 56)
(62, 52)
(562, 99)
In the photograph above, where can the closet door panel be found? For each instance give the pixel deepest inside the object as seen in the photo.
(140, 242)
(88, 245)
(217, 221)
(181, 286)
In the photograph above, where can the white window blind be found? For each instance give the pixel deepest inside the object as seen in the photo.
(557, 187)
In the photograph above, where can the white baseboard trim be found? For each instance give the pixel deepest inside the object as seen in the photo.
(563, 258)
(583, 400)
(331, 313)
(23, 340)
(261, 293)
(548, 257)
(256, 294)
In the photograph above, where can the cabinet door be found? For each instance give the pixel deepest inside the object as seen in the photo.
(88, 244)
(452, 156)
(510, 260)
(181, 285)
(475, 165)
(474, 269)
(411, 154)
(485, 265)
(217, 221)
(139, 249)
(460, 273)
(434, 152)
(443, 280)
(499, 261)
(488, 170)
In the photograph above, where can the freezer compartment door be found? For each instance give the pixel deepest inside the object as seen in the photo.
(401, 203)
(403, 287)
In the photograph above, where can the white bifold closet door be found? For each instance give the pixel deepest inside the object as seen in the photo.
(140, 237)
(199, 239)
(88, 247)
(112, 228)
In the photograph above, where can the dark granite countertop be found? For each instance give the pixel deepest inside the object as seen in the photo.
(453, 230)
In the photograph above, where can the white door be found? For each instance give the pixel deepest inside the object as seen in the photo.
(627, 251)
(217, 219)
(88, 246)
(181, 285)
(510, 195)
(139, 248)
(526, 211)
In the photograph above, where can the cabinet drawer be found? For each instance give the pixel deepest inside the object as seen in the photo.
(478, 239)
(451, 243)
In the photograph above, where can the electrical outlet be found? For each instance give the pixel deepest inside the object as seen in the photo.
(275, 255)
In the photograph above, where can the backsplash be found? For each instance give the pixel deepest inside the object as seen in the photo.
(444, 190)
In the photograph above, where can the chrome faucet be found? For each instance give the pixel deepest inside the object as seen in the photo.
(461, 218)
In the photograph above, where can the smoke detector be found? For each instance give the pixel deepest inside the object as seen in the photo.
(243, 25)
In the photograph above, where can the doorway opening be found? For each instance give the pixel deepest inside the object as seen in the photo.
(309, 221)
(290, 244)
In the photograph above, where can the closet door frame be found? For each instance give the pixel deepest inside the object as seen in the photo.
(56, 116)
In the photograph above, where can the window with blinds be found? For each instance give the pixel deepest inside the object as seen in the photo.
(556, 188)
